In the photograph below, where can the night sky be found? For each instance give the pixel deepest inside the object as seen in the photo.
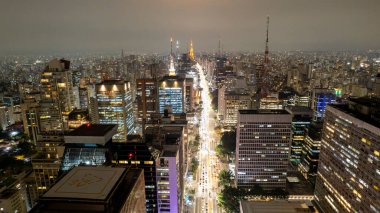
(138, 26)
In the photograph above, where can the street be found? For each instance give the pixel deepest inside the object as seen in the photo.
(209, 165)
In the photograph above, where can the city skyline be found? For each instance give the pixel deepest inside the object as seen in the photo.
(45, 27)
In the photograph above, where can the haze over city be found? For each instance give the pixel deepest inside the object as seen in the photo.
(43, 26)
(197, 106)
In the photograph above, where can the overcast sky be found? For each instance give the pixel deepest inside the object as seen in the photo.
(69, 26)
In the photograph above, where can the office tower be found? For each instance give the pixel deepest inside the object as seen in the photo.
(88, 145)
(349, 168)
(138, 155)
(47, 162)
(310, 152)
(171, 94)
(221, 102)
(169, 178)
(168, 132)
(77, 118)
(234, 101)
(189, 94)
(319, 100)
(263, 139)
(301, 120)
(56, 95)
(146, 98)
(96, 189)
(30, 121)
(114, 106)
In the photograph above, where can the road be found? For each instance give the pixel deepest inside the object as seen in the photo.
(209, 165)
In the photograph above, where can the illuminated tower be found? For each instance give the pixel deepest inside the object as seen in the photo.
(171, 59)
(56, 95)
(114, 99)
(177, 49)
(191, 53)
(266, 59)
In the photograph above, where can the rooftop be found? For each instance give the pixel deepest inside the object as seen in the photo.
(93, 183)
(299, 109)
(112, 82)
(92, 130)
(262, 111)
(364, 109)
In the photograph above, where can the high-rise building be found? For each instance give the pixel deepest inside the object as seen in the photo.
(57, 96)
(47, 162)
(234, 101)
(189, 94)
(262, 148)
(30, 119)
(349, 167)
(169, 178)
(138, 155)
(310, 152)
(171, 94)
(146, 98)
(114, 106)
(301, 120)
(319, 100)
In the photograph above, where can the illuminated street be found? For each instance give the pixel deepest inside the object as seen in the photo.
(209, 166)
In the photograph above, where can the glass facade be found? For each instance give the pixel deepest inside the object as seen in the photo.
(171, 94)
(115, 107)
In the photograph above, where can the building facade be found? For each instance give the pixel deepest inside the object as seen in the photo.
(56, 96)
(171, 94)
(114, 106)
(349, 168)
(262, 148)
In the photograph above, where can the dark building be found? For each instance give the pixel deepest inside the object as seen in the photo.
(301, 120)
(138, 155)
(310, 152)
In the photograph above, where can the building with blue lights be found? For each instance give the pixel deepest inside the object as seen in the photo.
(171, 94)
(319, 100)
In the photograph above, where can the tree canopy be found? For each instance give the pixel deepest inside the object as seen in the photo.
(228, 141)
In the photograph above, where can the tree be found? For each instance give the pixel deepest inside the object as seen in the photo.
(194, 165)
(225, 177)
(228, 141)
(229, 199)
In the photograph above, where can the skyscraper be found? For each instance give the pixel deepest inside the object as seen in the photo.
(171, 94)
(301, 120)
(319, 100)
(349, 168)
(146, 98)
(114, 106)
(57, 96)
(262, 148)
